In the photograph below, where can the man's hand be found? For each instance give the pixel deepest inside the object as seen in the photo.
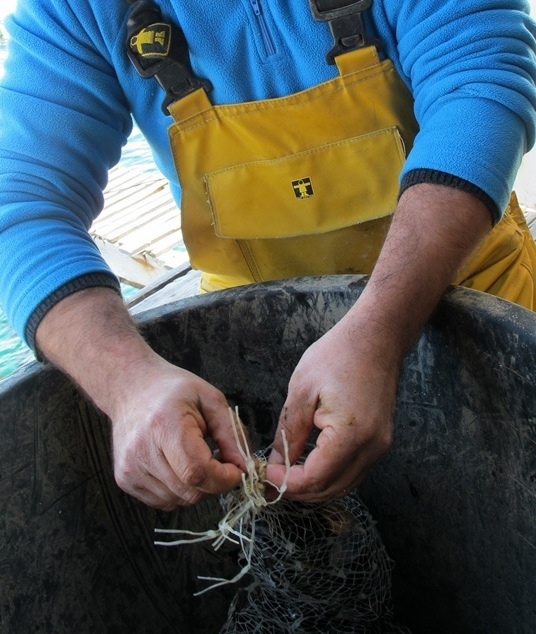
(160, 414)
(345, 384)
(159, 431)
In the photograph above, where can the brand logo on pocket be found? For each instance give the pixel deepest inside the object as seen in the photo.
(303, 188)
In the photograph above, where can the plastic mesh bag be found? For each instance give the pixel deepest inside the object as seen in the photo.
(315, 568)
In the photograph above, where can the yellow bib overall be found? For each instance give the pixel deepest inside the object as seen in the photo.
(306, 184)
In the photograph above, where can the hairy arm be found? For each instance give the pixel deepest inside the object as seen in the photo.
(345, 384)
(160, 414)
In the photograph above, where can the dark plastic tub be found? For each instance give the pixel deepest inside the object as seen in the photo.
(455, 499)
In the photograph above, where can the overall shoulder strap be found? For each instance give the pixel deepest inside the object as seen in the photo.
(159, 49)
(346, 24)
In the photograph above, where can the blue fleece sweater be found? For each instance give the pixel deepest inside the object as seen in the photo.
(69, 91)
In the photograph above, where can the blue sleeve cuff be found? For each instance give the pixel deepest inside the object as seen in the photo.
(416, 176)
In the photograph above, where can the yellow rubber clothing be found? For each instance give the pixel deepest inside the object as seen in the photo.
(505, 263)
(299, 185)
(306, 184)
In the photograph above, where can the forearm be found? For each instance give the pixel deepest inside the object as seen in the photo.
(160, 413)
(345, 384)
(91, 337)
(434, 230)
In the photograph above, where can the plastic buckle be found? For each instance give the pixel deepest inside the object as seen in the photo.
(343, 9)
(346, 25)
(349, 34)
(176, 79)
(155, 51)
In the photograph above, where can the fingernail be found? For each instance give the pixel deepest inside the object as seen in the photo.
(275, 457)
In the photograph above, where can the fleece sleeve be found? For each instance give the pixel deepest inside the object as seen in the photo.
(471, 68)
(63, 121)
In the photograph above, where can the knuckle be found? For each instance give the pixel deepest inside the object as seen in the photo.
(385, 441)
(158, 420)
(192, 498)
(192, 475)
(376, 435)
(217, 399)
(125, 473)
(125, 479)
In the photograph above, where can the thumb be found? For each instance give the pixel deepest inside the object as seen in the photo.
(294, 428)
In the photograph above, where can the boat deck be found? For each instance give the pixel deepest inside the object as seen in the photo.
(139, 229)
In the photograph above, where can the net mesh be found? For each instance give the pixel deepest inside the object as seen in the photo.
(315, 568)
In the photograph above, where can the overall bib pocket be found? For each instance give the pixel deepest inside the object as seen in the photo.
(308, 193)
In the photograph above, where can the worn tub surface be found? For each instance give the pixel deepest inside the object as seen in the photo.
(455, 500)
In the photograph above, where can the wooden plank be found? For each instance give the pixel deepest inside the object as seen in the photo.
(170, 243)
(136, 271)
(180, 282)
(142, 207)
(142, 238)
(139, 229)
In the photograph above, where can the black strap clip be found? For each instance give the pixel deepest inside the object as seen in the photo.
(346, 24)
(159, 50)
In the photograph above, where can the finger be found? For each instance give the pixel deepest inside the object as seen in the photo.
(298, 491)
(164, 502)
(232, 438)
(164, 483)
(167, 486)
(296, 420)
(154, 501)
(333, 465)
(219, 421)
(161, 488)
(278, 473)
(150, 490)
(301, 486)
(191, 461)
(309, 483)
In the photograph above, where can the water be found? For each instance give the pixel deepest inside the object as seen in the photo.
(14, 353)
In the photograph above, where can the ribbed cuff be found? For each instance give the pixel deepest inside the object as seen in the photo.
(88, 280)
(436, 177)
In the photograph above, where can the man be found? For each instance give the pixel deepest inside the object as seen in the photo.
(67, 97)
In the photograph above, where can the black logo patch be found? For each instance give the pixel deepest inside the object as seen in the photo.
(303, 188)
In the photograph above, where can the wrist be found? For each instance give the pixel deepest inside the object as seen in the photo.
(434, 230)
(91, 337)
(376, 332)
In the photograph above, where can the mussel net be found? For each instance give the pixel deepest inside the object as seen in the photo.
(315, 568)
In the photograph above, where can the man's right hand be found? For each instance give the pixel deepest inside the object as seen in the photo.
(160, 453)
(161, 414)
